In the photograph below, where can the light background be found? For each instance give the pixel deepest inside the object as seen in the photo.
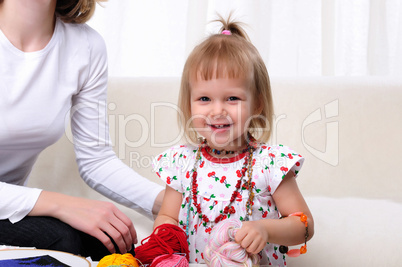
(295, 38)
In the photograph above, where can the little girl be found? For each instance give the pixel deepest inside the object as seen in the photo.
(232, 172)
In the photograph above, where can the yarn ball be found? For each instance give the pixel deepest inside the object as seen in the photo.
(170, 260)
(116, 259)
(165, 239)
(222, 250)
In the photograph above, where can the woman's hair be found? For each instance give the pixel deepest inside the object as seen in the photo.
(76, 11)
(229, 56)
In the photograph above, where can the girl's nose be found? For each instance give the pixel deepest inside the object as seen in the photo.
(218, 109)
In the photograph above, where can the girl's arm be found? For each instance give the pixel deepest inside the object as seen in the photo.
(288, 231)
(169, 212)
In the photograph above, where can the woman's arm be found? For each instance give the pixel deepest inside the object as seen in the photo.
(288, 231)
(98, 164)
(169, 212)
(96, 218)
(16, 201)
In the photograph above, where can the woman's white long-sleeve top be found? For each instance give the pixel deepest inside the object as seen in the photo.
(40, 93)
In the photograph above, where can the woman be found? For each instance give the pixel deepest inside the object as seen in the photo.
(52, 64)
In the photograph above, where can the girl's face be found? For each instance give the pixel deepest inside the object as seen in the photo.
(220, 110)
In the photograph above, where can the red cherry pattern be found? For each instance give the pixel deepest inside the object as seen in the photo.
(237, 194)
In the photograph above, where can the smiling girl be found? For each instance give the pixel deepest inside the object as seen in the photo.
(232, 172)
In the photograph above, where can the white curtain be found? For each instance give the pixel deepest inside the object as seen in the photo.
(294, 37)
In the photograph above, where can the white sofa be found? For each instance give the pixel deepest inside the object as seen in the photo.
(348, 129)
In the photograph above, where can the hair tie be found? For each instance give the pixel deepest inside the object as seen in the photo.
(226, 32)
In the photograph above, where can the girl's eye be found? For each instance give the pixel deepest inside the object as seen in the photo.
(204, 98)
(233, 98)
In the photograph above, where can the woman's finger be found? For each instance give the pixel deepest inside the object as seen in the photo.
(132, 232)
(123, 235)
(105, 240)
(117, 237)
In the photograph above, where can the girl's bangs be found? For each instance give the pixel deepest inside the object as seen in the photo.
(223, 61)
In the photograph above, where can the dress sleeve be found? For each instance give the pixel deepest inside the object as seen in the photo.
(98, 165)
(281, 160)
(168, 169)
(17, 201)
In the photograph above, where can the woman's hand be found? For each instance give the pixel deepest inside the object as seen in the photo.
(252, 236)
(100, 219)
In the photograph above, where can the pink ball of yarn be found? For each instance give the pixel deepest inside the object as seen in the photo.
(221, 249)
(170, 260)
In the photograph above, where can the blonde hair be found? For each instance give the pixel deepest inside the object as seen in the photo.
(231, 56)
(76, 11)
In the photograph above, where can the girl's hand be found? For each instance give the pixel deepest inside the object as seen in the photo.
(100, 219)
(252, 236)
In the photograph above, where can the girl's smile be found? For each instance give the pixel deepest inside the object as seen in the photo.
(221, 109)
(220, 127)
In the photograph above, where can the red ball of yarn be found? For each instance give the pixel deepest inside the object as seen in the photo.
(165, 239)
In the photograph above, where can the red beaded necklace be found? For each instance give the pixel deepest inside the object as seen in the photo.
(229, 209)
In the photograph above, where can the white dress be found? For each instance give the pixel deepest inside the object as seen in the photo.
(216, 184)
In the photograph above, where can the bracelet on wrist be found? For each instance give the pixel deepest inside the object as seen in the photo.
(302, 249)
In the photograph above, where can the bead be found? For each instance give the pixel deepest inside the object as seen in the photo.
(293, 253)
(283, 249)
(303, 249)
(229, 209)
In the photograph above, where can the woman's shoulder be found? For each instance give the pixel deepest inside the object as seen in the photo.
(80, 34)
